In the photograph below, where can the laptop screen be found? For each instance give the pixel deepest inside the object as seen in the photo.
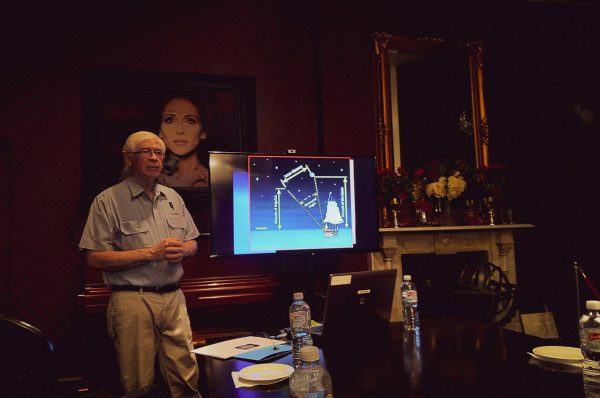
(358, 300)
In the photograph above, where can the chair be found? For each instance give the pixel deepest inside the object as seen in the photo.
(485, 293)
(28, 367)
(27, 360)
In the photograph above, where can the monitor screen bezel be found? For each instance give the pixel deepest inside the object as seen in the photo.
(221, 223)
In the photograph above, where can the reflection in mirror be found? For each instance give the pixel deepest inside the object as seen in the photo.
(429, 101)
(432, 91)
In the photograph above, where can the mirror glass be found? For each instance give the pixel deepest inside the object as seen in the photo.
(429, 101)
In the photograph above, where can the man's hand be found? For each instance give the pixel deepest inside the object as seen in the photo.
(170, 249)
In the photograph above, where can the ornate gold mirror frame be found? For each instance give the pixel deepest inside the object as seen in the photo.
(387, 47)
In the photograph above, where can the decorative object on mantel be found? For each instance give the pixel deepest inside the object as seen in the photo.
(395, 198)
(403, 214)
(448, 183)
(488, 187)
(473, 214)
(424, 214)
(490, 211)
(443, 193)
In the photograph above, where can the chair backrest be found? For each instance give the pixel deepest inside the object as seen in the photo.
(27, 360)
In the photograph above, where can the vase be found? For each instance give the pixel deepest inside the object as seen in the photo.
(425, 216)
(421, 217)
(472, 214)
(445, 212)
(503, 211)
(402, 215)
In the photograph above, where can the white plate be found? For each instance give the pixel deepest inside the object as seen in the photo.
(266, 372)
(261, 383)
(558, 353)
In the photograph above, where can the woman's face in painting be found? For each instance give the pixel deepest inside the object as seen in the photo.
(181, 127)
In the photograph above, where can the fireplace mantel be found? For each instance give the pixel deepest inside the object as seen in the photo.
(496, 240)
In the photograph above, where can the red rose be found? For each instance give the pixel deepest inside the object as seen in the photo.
(419, 173)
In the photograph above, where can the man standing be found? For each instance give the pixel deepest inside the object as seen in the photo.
(137, 234)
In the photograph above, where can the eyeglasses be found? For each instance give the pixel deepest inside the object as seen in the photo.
(149, 152)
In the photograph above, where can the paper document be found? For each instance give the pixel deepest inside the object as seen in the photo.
(229, 348)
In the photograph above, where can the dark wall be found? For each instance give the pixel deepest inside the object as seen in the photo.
(312, 62)
(50, 49)
(538, 70)
(539, 64)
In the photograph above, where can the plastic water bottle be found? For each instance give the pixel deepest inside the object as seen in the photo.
(410, 310)
(589, 335)
(310, 379)
(300, 326)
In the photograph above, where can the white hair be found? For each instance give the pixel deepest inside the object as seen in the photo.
(132, 144)
(134, 140)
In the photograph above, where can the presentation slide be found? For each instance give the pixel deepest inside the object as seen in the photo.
(300, 203)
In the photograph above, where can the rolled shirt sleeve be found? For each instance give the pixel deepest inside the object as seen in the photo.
(124, 218)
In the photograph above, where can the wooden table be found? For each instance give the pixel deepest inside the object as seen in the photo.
(449, 358)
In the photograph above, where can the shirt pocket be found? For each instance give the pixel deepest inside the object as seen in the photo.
(135, 234)
(176, 226)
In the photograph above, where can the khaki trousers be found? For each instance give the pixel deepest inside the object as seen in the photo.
(143, 325)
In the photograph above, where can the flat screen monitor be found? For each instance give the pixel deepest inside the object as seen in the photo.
(269, 203)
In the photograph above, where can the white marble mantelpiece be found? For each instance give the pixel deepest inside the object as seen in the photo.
(496, 240)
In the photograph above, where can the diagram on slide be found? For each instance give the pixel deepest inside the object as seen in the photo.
(309, 196)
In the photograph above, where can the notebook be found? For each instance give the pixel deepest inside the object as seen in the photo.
(358, 300)
(266, 354)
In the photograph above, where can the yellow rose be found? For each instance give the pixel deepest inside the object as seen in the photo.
(436, 188)
(456, 186)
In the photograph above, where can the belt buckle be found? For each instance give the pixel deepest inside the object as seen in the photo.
(158, 289)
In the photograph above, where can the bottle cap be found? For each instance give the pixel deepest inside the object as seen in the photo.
(298, 296)
(309, 353)
(406, 277)
(592, 305)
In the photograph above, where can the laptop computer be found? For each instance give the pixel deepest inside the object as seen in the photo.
(358, 301)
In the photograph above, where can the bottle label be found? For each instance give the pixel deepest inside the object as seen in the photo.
(592, 337)
(409, 296)
(299, 319)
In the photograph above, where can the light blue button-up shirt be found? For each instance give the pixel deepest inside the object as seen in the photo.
(123, 218)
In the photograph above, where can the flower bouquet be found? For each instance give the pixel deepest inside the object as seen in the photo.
(396, 196)
(446, 182)
(441, 193)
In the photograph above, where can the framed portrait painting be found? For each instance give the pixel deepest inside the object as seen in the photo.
(192, 113)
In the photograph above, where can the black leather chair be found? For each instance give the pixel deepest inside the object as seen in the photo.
(28, 368)
(27, 360)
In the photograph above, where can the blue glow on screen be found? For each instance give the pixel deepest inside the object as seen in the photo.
(241, 215)
(241, 242)
(281, 204)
